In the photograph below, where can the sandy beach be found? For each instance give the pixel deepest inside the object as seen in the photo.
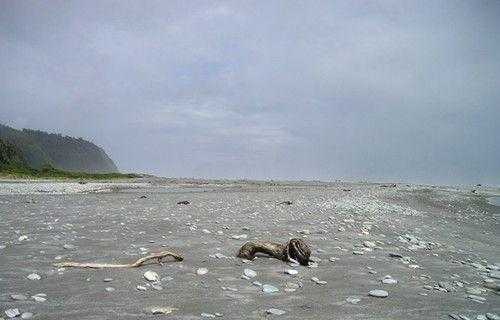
(434, 251)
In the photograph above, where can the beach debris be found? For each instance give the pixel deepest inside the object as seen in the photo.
(140, 262)
(295, 250)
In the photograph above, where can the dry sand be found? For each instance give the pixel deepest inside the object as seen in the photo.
(448, 238)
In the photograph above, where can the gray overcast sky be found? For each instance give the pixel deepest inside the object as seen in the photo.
(375, 90)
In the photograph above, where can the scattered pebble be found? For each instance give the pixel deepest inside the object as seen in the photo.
(34, 276)
(369, 244)
(276, 312)
(12, 313)
(207, 315)
(151, 276)
(291, 272)
(389, 280)
(201, 271)
(162, 310)
(378, 293)
(40, 297)
(267, 288)
(353, 300)
(317, 281)
(249, 273)
(18, 297)
(492, 316)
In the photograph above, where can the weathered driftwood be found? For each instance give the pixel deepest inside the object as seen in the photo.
(293, 250)
(158, 256)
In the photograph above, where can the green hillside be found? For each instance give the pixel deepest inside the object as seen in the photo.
(40, 149)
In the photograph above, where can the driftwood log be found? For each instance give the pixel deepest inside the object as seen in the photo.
(294, 250)
(154, 256)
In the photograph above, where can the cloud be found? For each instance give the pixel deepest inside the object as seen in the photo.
(323, 90)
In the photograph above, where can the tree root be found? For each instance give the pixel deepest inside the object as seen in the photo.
(295, 250)
(140, 262)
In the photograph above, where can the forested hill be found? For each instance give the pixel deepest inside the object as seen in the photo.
(41, 149)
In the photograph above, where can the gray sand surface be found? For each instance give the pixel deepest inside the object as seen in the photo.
(449, 240)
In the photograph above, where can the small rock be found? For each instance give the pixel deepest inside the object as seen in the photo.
(389, 280)
(353, 300)
(110, 289)
(241, 236)
(476, 298)
(107, 280)
(201, 271)
(369, 244)
(291, 272)
(446, 286)
(34, 276)
(358, 252)
(395, 255)
(151, 276)
(161, 310)
(378, 293)
(12, 313)
(492, 316)
(27, 315)
(207, 315)
(41, 297)
(18, 297)
(157, 287)
(317, 281)
(22, 238)
(267, 288)
(141, 288)
(250, 273)
(276, 312)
